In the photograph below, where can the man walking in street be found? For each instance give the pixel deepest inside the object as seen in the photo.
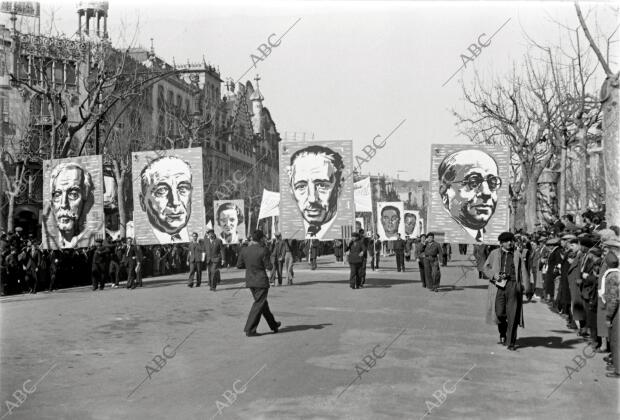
(507, 271)
(399, 250)
(131, 260)
(433, 252)
(356, 250)
(98, 269)
(214, 250)
(419, 254)
(195, 258)
(278, 256)
(255, 259)
(314, 251)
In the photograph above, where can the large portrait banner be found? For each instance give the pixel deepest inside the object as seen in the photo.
(412, 224)
(168, 195)
(469, 192)
(229, 220)
(390, 224)
(73, 202)
(316, 189)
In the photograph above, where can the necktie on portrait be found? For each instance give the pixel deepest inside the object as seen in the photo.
(479, 236)
(312, 230)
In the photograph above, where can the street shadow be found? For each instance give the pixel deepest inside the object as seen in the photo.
(478, 286)
(293, 328)
(552, 342)
(449, 288)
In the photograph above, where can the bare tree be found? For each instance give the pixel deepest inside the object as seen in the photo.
(611, 140)
(517, 112)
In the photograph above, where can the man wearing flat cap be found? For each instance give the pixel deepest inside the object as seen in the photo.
(507, 271)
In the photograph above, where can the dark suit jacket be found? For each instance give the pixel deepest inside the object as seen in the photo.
(214, 250)
(255, 259)
(132, 257)
(195, 252)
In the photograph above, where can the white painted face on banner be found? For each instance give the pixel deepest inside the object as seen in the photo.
(228, 221)
(390, 219)
(469, 184)
(315, 187)
(167, 194)
(69, 188)
(410, 222)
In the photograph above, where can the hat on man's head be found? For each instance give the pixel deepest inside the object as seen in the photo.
(506, 236)
(569, 237)
(210, 231)
(18, 229)
(99, 240)
(553, 241)
(587, 240)
(612, 243)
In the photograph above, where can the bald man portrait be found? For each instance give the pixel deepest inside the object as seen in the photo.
(468, 185)
(71, 188)
(166, 198)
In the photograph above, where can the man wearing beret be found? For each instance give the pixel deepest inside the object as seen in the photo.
(507, 271)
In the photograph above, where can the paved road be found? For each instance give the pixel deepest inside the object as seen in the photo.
(79, 354)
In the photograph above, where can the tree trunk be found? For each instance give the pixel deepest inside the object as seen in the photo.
(530, 190)
(119, 175)
(10, 221)
(562, 183)
(2, 198)
(583, 177)
(611, 154)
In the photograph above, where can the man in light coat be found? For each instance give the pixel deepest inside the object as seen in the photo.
(507, 271)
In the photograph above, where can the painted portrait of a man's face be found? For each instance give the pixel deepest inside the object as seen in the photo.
(166, 193)
(315, 176)
(469, 182)
(390, 219)
(410, 223)
(70, 186)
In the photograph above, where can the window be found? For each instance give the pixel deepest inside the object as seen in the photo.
(71, 74)
(160, 97)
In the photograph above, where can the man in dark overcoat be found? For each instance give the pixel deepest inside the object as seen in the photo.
(255, 259)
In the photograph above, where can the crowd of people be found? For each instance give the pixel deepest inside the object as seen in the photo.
(571, 268)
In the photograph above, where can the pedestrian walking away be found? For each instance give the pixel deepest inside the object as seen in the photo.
(255, 260)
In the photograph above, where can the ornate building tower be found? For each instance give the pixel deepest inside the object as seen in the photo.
(97, 10)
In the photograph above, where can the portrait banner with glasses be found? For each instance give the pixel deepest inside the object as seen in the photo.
(316, 189)
(469, 192)
(390, 220)
(73, 214)
(168, 196)
(229, 220)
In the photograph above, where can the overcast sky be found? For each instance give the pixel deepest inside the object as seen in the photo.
(348, 70)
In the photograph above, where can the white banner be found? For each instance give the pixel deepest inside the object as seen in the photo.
(362, 195)
(269, 205)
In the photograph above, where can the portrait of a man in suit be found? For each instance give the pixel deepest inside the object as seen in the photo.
(166, 197)
(316, 178)
(71, 188)
(468, 185)
(390, 220)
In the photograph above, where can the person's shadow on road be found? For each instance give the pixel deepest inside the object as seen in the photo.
(552, 342)
(292, 328)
